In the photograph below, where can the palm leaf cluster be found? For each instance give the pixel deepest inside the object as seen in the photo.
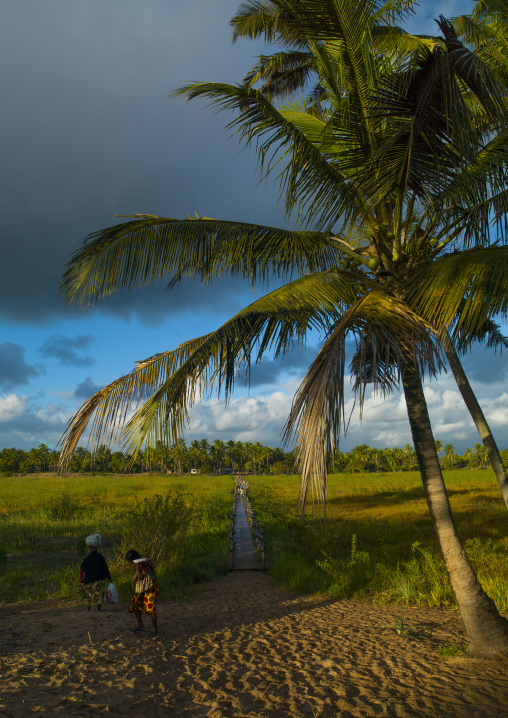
(393, 161)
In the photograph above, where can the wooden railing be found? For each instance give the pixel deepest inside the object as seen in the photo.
(241, 487)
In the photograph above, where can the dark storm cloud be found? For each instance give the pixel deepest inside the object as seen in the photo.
(68, 350)
(92, 134)
(86, 389)
(14, 371)
(486, 367)
(270, 371)
(152, 304)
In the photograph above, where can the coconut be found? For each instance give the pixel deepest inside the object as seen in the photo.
(373, 264)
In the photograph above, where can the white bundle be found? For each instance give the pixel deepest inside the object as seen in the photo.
(93, 540)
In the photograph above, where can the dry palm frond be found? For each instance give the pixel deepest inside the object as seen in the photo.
(317, 414)
(170, 382)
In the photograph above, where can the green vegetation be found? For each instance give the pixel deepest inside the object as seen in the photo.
(44, 521)
(238, 456)
(378, 543)
(200, 455)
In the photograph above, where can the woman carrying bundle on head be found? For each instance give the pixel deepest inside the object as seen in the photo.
(146, 590)
(93, 572)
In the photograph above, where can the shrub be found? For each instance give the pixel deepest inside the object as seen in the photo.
(349, 575)
(155, 524)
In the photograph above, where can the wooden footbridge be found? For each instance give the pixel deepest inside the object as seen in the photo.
(246, 540)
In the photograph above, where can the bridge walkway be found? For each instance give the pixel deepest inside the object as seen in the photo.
(246, 537)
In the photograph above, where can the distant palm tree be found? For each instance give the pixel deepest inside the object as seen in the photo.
(195, 453)
(449, 453)
(219, 453)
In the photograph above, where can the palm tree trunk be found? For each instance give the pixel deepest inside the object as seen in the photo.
(477, 415)
(486, 629)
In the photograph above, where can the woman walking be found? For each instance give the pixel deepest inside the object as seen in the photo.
(146, 590)
(94, 571)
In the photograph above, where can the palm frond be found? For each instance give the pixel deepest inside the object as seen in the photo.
(148, 249)
(461, 290)
(109, 408)
(270, 19)
(173, 379)
(421, 149)
(393, 11)
(317, 187)
(317, 415)
(282, 74)
(489, 333)
(477, 197)
(371, 365)
(397, 42)
(474, 72)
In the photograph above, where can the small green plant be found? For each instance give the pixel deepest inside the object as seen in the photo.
(423, 578)
(449, 650)
(400, 627)
(348, 575)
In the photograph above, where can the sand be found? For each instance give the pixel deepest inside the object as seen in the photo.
(242, 648)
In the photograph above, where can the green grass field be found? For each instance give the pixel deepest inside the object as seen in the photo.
(377, 543)
(45, 519)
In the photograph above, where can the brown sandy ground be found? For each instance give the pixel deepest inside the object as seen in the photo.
(242, 648)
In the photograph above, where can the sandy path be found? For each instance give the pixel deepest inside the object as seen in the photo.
(242, 648)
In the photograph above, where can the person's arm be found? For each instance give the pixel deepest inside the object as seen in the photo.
(82, 570)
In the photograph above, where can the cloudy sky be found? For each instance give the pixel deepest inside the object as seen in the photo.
(88, 132)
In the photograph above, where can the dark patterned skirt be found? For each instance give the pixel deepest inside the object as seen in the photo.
(94, 592)
(146, 600)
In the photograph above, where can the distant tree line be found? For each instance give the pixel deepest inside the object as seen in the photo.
(235, 456)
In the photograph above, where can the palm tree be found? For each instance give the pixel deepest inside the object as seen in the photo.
(219, 453)
(204, 456)
(240, 453)
(476, 411)
(42, 455)
(480, 455)
(284, 73)
(396, 164)
(466, 456)
(449, 453)
(485, 30)
(439, 446)
(179, 454)
(195, 453)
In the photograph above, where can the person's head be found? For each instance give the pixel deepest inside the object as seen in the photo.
(132, 555)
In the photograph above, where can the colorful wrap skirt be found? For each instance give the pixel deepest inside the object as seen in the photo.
(146, 600)
(94, 592)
